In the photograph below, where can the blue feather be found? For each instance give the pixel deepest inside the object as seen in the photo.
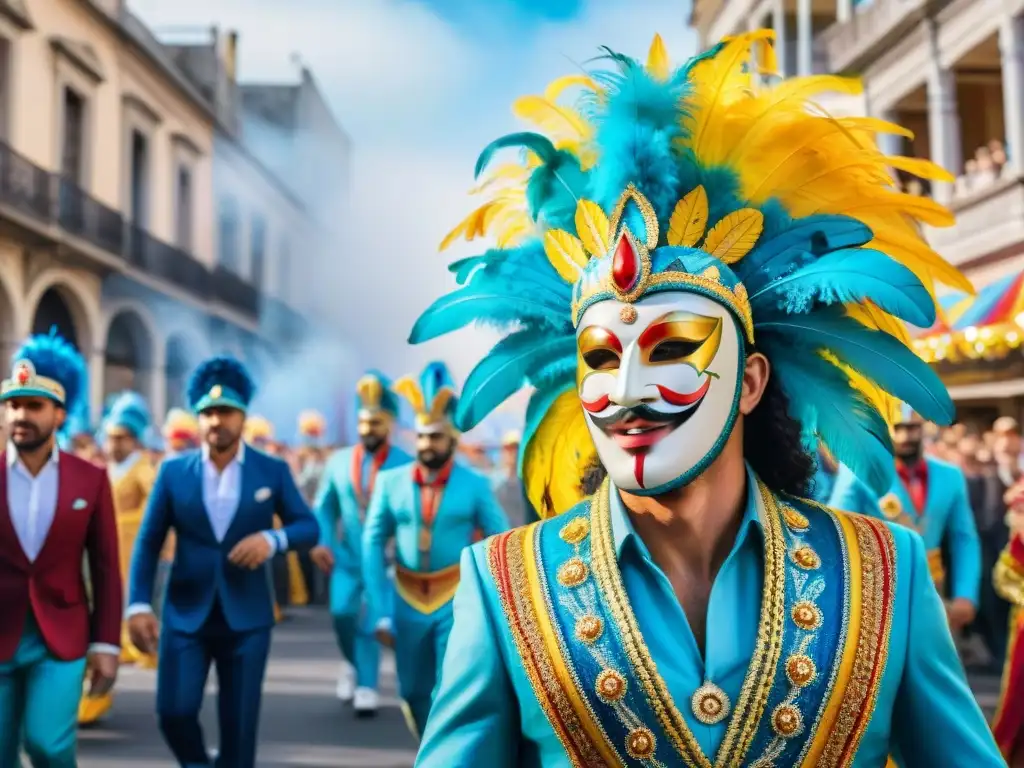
(813, 235)
(535, 142)
(224, 370)
(433, 379)
(829, 408)
(56, 358)
(851, 275)
(463, 268)
(505, 370)
(468, 305)
(879, 357)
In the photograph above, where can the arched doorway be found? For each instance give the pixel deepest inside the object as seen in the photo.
(53, 311)
(128, 355)
(182, 357)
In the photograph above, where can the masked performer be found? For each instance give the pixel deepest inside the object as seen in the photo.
(58, 509)
(696, 292)
(221, 501)
(341, 510)
(131, 477)
(431, 508)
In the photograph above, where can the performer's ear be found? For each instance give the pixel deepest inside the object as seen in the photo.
(755, 379)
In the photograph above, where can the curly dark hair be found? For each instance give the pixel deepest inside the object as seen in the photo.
(772, 445)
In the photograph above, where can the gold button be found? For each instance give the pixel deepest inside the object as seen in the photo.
(611, 686)
(806, 615)
(710, 704)
(800, 669)
(640, 743)
(628, 314)
(575, 530)
(795, 520)
(216, 391)
(787, 721)
(806, 558)
(573, 572)
(589, 628)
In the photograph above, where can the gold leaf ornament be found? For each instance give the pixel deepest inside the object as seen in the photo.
(565, 253)
(689, 219)
(734, 236)
(592, 227)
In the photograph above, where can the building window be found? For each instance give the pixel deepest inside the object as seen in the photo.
(5, 87)
(284, 271)
(258, 250)
(73, 149)
(138, 198)
(227, 234)
(183, 208)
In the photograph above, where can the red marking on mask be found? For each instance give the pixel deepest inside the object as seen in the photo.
(682, 398)
(596, 406)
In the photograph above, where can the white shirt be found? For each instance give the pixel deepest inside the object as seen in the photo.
(32, 501)
(117, 470)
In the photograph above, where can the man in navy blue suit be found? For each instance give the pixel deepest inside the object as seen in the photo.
(219, 607)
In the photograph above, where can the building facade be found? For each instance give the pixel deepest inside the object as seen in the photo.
(952, 71)
(118, 156)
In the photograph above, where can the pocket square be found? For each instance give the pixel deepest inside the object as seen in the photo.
(80, 504)
(262, 494)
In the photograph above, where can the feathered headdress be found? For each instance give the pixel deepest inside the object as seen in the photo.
(128, 411)
(375, 393)
(312, 424)
(432, 397)
(257, 428)
(703, 179)
(180, 426)
(47, 365)
(220, 382)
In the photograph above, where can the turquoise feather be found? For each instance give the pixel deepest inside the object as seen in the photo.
(463, 268)
(879, 357)
(810, 236)
(468, 305)
(504, 371)
(433, 379)
(535, 142)
(829, 408)
(852, 275)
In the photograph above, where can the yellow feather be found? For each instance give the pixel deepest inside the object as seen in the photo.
(767, 63)
(370, 391)
(923, 169)
(510, 172)
(592, 227)
(515, 232)
(887, 405)
(408, 388)
(658, 65)
(562, 84)
(689, 219)
(558, 121)
(870, 315)
(732, 238)
(440, 403)
(565, 253)
(556, 456)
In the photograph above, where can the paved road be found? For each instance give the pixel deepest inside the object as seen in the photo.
(303, 725)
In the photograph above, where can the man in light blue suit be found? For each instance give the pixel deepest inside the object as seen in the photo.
(345, 491)
(433, 508)
(219, 607)
(692, 302)
(930, 497)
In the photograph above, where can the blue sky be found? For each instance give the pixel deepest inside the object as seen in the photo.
(421, 86)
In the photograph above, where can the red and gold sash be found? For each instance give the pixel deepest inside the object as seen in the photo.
(431, 493)
(362, 492)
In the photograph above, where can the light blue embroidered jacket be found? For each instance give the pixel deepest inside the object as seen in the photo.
(337, 511)
(467, 505)
(486, 712)
(947, 517)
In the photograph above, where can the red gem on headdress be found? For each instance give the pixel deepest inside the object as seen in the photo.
(625, 265)
(23, 374)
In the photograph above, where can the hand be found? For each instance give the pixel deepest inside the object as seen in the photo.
(322, 558)
(385, 638)
(960, 612)
(103, 672)
(251, 552)
(144, 629)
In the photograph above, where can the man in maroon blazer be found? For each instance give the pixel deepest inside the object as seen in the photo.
(55, 509)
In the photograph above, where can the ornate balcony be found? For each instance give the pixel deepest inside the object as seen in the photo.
(870, 31)
(24, 186)
(235, 292)
(80, 215)
(989, 219)
(157, 258)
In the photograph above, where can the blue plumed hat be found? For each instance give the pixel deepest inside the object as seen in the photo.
(701, 178)
(220, 382)
(374, 393)
(47, 365)
(128, 411)
(432, 396)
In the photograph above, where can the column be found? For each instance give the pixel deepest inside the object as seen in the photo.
(804, 38)
(97, 376)
(1011, 48)
(890, 143)
(944, 126)
(158, 381)
(779, 25)
(844, 10)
